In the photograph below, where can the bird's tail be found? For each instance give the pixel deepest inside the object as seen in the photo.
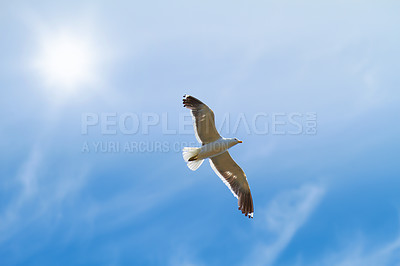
(189, 155)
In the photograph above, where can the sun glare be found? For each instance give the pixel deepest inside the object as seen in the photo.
(66, 62)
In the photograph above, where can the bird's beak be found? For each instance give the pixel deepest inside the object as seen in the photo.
(239, 141)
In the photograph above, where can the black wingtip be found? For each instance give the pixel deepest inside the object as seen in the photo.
(246, 204)
(191, 102)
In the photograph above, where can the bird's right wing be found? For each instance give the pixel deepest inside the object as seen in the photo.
(203, 116)
(235, 179)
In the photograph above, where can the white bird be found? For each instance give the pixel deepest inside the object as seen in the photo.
(215, 148)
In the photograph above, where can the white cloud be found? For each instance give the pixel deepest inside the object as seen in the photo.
(70, 58)
(27, 175)
(285, 215)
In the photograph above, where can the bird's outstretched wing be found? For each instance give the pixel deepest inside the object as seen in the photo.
(203, 116)
(234, 177)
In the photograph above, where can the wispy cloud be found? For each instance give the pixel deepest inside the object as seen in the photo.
(184, 256)
(27, 179)
(131, 204)
(358, 254)
(285, 215)
(38, 197)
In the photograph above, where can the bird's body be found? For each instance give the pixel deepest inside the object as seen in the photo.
(215, 148)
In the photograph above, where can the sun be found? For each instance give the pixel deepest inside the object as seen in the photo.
(66, 61)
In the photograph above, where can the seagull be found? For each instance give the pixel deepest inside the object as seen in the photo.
(215, 148)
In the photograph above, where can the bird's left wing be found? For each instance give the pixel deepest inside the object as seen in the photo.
(235, 179)
(203, 120)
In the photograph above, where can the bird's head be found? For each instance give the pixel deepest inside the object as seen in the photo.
(233, 142)
(237, 141)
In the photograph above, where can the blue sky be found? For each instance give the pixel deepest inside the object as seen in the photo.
(329, 198)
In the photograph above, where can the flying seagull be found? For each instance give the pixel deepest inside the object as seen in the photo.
(215, 148)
